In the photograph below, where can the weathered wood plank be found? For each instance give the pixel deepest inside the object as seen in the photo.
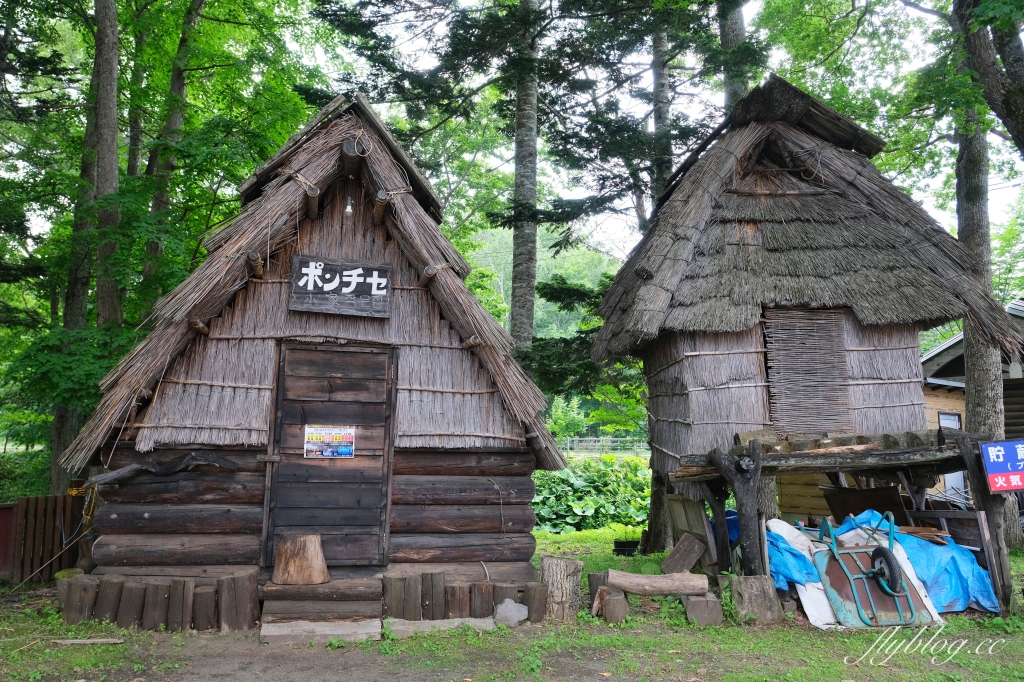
(356, 589)
(118, 518)
(335, 389)
(318, 516)
(361, 469)
(340, 364)
(176, 550)
(342, 550)
(419, 463)
(245, 460)
(188, 488)
(462, 490)
(326, 495)
(320, 610)
(461, 547)
(313, 412)
(456, 518)
(469, 571)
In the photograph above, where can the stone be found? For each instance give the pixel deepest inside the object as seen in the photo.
(755, 598)
(407, 628)
(303, 632)
(703, 610)
(510, 613)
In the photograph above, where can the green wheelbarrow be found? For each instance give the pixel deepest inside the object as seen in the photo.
(865, 584)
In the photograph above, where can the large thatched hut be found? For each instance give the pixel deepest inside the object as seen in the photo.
(327, 371)
(783, 283)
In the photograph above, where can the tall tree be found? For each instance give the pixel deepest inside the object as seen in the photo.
(108, 294)
(732, 33)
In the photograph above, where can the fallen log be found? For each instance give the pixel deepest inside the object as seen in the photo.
(658, 585)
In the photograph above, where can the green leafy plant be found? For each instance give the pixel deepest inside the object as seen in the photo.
(593, 494)
(335, 643)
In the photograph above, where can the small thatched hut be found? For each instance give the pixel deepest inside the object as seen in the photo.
(783, 283)
(325, 370)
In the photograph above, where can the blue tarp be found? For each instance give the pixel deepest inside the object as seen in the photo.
(787, 564)
(732, 520)
(951, 574)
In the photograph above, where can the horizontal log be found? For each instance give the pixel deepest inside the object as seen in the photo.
(175, 550)
(457, 518)
(321, 610)
(469, 571)
(117, 518)
(360, 589)
(676, 584)
(461, 547)
(326, 412)
(462, 490)
(361, 469)
(199, 572)
(245, 460)
(188, 488)
(418, 463)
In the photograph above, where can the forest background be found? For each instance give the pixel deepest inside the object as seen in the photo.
(548, 130)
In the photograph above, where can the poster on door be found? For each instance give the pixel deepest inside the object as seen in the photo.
(329, 441)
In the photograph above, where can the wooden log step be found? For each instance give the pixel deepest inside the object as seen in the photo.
(175, 550)
(457, 518)
(462, 490)
(420, 463)
(357, 589)
(469, 571)
(321, 610)
(121, 518)
(461, 547)
(188, 488)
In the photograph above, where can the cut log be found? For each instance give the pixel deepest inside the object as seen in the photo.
(677, 584)
(133, 600)
(204, 608)
(413, 602)
(536, 599)
(458, 518)
(299, 560)
(597, 601)
(176, 550)
(503, 591)
(81, 599)
(64, 582)
(616, 607)
(109, 597)
(419, 548)
(456, 599)
(154, 612)
(394, 597)
(433, 596)
(562, 576)
(481, 600)
(684, 555)
(120, 519)
(179, 607)
(596, 580)
(246, 597)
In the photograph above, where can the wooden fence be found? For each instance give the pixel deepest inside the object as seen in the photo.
(42, 525)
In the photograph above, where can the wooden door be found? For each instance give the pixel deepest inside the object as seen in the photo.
(345, 500)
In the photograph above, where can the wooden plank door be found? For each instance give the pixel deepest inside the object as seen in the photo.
(345, 500)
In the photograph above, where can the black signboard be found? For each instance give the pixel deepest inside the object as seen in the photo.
(340, 287)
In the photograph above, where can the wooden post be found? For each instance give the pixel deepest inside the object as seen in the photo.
(81, 599)
(133, 599)
(247, 600)
(503, 591)
(562, 576)
(227, 615)
(716, 498)
(255, 264)
(299, 560)
(352, 152)
(179, 608)
(378, 207)
(742, 473)
(595, 581)
(312, 201)
(204, 608)
(536, 599)
(472, 342)
(684, 555)
(64, 583)
(154, 613)
(109, 598)
(428, 274)
(198, 325)
(394, 597)
(616, 607)
(456, 598)
(481, 600)
(433, 596)
(413, 608)
(994, 507)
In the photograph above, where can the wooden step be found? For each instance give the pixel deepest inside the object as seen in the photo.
(313, 610)
(354, 589)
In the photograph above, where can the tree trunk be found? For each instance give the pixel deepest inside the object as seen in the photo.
(661, 162)
(108, 295)
(562, 576)
(162, 162)
(299, 560)
(767, 498)
(524, 236)
(982, 360)
(732, 33)
(658, 536)
(135, 108)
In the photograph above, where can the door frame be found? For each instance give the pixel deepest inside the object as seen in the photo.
(273, 456)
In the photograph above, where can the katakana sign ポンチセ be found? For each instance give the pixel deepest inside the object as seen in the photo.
(1004, 465)
(340, 287)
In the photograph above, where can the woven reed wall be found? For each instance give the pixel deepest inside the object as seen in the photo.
(446, 399)
(883, 368)
(703, 388)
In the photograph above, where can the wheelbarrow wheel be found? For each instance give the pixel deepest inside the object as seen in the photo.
(887, 569)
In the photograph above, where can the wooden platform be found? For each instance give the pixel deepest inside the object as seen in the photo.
(339, 600)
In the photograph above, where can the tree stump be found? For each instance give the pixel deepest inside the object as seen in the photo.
(503, 591)
(684, 555)
(594, 581)
(616, 607)
(597, 603)
(481, 600)
(433, 596)
(109, 597)
(742, 473)
(63, 579)
(299, 560)
(133, 599)
(394, 597)
(204, 608)
(154, 612)
(179, 607)
(456, 599)
(536, 599)
(413, 602)
(81, 598)
(562, 576)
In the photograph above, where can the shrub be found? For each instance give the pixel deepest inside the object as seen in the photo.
(592, 494)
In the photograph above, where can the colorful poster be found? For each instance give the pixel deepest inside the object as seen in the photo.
(1004, 465)
(329, 441)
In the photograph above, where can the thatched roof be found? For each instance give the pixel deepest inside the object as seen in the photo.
(786, 210)
(268, 222)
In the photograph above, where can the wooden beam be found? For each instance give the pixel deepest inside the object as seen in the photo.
(428, 274)
(743, 473)
(352, 152)
(255, 264)
(198, 325)
(378, 207)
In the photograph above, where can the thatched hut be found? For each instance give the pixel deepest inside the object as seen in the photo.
(324, 370)
(783, 284)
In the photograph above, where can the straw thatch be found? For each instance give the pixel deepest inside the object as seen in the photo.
(478, 398)
(774, 215)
